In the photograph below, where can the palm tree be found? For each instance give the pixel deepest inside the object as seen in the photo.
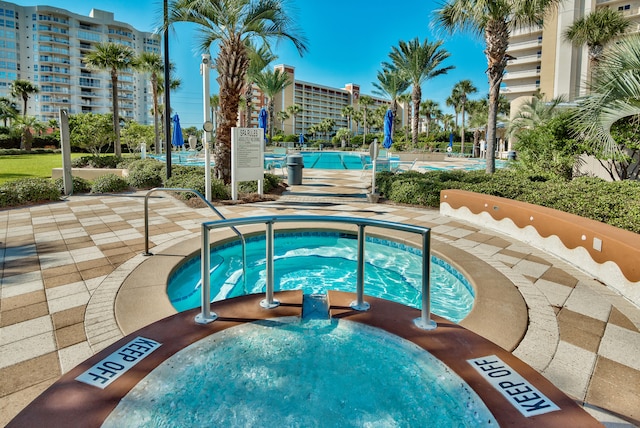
(232, 24)
(596, 30)
(23, 89)
(453, 100)
(356, 117)
(534, 112)
(282, 116)
(271, 83)
(294, 110)
(347, 111)
(429, 109)
(26, 125)
(259, 59)
(114, 58)
(365, 101)
(405, 99)
(418, 62)
(152, 63)
(614, 95)
(391, 84)
(495, 19)
(462, 89)
(8, 110)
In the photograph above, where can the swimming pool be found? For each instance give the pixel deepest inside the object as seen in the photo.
(287, 372)
(316, 261)
(315, 160)
(471, 165)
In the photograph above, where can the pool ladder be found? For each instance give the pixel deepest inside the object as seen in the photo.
(206, 316)
(214, 209)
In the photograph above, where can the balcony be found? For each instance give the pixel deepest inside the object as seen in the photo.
(523, 74)
(526, 59)
(525, 45)
(520, 89)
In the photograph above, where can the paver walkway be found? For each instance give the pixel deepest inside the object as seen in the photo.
(57, 259)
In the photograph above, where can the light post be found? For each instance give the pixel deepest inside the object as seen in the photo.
(208, 126)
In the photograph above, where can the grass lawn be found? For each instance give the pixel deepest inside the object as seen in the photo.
(13, 167)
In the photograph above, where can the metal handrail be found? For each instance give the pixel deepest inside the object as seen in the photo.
(215, 210)
(206, 316)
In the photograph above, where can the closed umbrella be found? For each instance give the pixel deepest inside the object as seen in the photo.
(388, 126)
(450, 147)
(262, 121)
(177, 139)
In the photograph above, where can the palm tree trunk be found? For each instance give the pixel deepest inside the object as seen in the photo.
(415, 98)
(116, 120)
(156, 130)
(462, 132)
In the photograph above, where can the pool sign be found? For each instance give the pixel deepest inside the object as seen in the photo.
(247, 157)
(516, 389)
(115, 365)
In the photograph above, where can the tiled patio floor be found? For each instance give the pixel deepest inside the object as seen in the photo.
(59, 259)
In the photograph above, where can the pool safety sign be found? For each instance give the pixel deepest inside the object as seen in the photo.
(516, 389)
(115, 365)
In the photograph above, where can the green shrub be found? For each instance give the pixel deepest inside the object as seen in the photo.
(146, 173)
(192, 177)
(269, 183)
(109, 183)
(28, 190)
(96, 162)
(80, 185)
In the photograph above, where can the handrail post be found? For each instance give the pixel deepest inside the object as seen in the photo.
(269, 302)
(146, 225)
(425, 322)
(359, 304)
(205, 316)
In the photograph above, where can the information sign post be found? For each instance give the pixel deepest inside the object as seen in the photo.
(247, 158)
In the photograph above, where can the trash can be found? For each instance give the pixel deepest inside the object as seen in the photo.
(511, 155)
(294, 169)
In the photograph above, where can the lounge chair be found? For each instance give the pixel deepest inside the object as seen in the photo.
(403, 166)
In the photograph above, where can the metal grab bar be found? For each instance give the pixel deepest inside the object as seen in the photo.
(424, 322)
(215, 210)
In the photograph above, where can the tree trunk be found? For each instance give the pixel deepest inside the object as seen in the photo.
(462, 132)
(232, 63)
(156, 130)
(117, 149)
(415, 98)
(497, 40)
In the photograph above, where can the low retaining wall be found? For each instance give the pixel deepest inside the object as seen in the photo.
(90, 173)
(422, 156)
(610, 254)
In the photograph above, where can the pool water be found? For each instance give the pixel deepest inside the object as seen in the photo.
(319, 261)
(291, 373)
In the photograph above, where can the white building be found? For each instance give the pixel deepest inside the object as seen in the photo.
(45, 45)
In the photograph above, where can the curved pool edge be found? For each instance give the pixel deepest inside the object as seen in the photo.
(71, 403)
(142, 298)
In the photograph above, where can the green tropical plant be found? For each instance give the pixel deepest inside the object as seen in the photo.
(534, 112)
(393, 85)
(418, 62)
(26, 125)
(231, 24)
(8, 110)
(597, 29)
(152, 63)
(462, 89)
(271, 83)
(259, 59)
(495, 20)
(282, 116)
(294, 110)
(23, 89)
(429, 109)
(114, 58)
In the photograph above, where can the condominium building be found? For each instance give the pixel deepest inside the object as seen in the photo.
(318, 102)
(541, 59)
(46, 46)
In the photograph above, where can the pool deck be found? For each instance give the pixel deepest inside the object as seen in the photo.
(63, 264)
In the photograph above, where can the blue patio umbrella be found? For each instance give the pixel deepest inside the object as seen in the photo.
(450, 147)
(177, 139)
(262, 121)
(388, 126)
(301, 138)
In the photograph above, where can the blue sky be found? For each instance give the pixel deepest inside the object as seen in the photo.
(347, 42)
